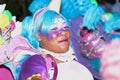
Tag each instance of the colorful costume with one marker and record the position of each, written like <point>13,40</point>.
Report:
<point>49,23</point>
<point>9,45</point>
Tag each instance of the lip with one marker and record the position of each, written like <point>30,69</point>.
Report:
<point>63,40</point>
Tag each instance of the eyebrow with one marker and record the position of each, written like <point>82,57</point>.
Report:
<point>54,28</point>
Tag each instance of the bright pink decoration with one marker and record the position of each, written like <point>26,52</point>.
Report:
<point>90,44</point>
<point>5,73</point>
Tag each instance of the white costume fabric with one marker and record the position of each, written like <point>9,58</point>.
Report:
<point>69,69</point>
<point>73,71</point>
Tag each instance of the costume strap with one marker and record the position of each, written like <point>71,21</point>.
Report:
<point>55,67</point>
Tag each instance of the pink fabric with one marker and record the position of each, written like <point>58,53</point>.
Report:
<point>7,53</point>
<point>6,50</point>
<point>5,74</point>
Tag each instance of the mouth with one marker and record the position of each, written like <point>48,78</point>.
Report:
<point>63,40</point>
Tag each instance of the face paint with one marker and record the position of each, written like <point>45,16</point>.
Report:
<point>55,32</point>
<point>58,26</point>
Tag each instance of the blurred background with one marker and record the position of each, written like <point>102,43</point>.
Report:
<point>19,8</point>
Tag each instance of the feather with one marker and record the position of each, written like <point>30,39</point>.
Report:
<point>93,16</point>
<point>71,7</point>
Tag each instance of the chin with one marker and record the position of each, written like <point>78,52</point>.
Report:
<point>63,50</point>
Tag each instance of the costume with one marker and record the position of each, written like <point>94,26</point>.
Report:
<point>42,66</point>
<point>9,45</point>
<point>91,23</point>
<point>73,70</point>
<point>69,69</point>
<point>48,22</point>
<point>7,49</point>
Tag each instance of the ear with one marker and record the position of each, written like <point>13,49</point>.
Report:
<point>37,36</point>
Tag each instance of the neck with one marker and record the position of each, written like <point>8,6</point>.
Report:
<point>59,58</point>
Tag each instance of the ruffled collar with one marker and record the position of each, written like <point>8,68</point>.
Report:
<point>65,57</point>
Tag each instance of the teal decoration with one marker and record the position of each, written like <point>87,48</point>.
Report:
<point>93,16</point>
<point>95,64</point>
<point>113,23</point>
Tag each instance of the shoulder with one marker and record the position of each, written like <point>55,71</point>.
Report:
<point>75,70</point>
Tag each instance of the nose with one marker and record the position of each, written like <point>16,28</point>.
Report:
<point>61,32</point>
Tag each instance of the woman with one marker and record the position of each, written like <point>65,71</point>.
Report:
<point>49,33</point>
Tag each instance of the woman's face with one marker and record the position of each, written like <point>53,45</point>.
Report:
<point>58,38</point>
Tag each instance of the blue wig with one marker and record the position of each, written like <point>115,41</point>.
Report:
<point>72,7</point>
<point>41,22</point>
<point>93,16</point>
<point>38,4</point>
<point>27,31</point>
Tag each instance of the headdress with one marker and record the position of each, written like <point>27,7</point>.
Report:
<point>71,7</point>
<point>112,23</point>
<point>92,17</point>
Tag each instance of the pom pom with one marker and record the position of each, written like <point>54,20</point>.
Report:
<point>8,13</point>
<point>110,61</point>
<point>4,20</point>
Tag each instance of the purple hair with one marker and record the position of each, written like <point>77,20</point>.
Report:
<point>35,64</point>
